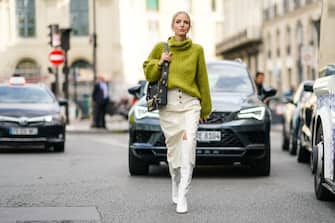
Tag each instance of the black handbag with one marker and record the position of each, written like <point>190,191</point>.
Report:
<point>157,90</point>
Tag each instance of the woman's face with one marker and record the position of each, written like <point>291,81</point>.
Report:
<point>181,25</point>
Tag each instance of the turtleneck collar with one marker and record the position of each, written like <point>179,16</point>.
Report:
<point>179,45</point>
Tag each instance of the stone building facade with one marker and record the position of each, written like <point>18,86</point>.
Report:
<point>126,32</point>
<point>290,41</point>
<point>242,32</point>
<point>278,37</point>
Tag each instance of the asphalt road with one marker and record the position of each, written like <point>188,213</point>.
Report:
<point>90,183</point>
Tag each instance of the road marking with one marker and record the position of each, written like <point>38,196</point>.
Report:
<point>49,215</point>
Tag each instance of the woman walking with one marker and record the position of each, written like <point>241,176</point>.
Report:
<point>189,102</point>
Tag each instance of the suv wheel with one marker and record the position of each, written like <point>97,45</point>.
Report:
<point>321,192</point>
<point>59,147</point>
<point>262,166</point>
<point>136,166</point>
<point>285,142</point>
<point>292,143</point>
<point>303,156</point>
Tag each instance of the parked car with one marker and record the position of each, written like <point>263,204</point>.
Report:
<point>30,116</point>
<point>237,131</point>
<point>323,129</point>
<point>307,112</point>
<point>291,119</point>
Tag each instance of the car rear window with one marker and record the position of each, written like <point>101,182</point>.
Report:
<point>229,78</point>
<point>24,94</point>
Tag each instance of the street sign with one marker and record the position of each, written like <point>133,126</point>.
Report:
<point>56,57</point>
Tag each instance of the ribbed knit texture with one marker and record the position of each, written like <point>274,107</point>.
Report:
<point>187,70</point>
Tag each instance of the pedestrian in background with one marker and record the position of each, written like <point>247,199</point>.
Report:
<point>189,102</point>
<point>259,81</point>
<point>100,98</point>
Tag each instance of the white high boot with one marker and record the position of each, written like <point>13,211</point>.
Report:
<point>186,171</point>
<point>184,186</point>
<point>175,178</point>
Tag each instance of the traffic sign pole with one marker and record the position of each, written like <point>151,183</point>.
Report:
<point>56,82</point>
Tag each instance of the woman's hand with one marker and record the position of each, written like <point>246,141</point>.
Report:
<point>202,120</point>
<point>165,57</point>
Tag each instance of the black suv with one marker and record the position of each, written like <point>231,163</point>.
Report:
<point>237,131</point>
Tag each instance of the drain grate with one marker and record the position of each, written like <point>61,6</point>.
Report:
<point>49,215</point>
<point>65,221</point>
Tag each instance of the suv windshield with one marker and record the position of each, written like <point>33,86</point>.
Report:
<point>26,94</point>
<point>229,78</point>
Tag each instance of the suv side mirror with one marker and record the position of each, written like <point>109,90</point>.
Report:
<point>135,91</point>
<point>308,87</point>
<point>269,92</point>
<point>63,102</point>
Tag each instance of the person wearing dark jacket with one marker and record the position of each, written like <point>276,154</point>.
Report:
<point>100,98</point>
<point>259,80</point>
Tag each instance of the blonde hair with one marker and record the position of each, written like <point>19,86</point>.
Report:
<point>178,13</point>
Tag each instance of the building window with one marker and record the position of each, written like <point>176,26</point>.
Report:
<point>275,10</point>
<point>27,68</point>
<point>286,6</point>
<point>79,17</point>
<point>25,15</point>
<point>278,42</point>
<point>288,40</point>
<point>289,77</point>
<point>269,46</point>
<point>297,4</point>
<point>300,33</point>
<point>152,5</point>
<point>288,50</point>
<point>266,13</point>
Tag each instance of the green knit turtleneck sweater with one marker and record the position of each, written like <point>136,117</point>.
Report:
<point>187,70</point>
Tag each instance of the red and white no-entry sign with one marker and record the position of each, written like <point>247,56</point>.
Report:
<point>56,57</point>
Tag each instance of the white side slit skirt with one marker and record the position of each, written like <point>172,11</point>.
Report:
<point>180,115</point>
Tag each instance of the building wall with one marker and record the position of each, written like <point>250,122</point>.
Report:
<point>242,32</point>
<point>280,65</point>
<point>141,29</point>
<point>14,48</point>
<point>240,15</point>
<point>126,32</point>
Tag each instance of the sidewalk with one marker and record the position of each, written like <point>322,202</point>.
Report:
<point>115,124</point>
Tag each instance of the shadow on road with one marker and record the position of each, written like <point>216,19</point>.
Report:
<point>31,150</point>
<point>219,171</point>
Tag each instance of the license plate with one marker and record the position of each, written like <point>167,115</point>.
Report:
<point>23,131</point>
<point>205,136</point>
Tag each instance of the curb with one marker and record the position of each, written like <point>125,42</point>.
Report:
<point>97,131</point>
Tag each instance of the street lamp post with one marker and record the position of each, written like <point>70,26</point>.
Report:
<point>94,42</point>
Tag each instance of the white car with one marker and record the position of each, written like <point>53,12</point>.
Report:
<point>324,135</point>
<point>323,129</point>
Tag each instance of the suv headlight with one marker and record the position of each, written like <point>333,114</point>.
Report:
<point>142,112</point>
<point>47,118</point>
<point>53,118</point>
<point>256,113</point>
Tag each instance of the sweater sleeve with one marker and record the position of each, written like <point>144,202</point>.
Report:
<point>203,85</point>
<point>151,67</point>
